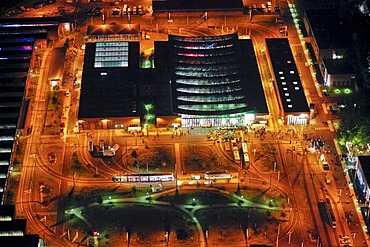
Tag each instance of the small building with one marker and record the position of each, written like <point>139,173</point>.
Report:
<point>339,73</point>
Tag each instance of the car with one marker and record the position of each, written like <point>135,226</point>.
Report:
<point>116,147</point>
<point>345,241</point>
<point>134,10</point>
<point>98,11</point>
<point>116,11</point>
<point>326,167</point>
<point>90,12</point>
<point>140,10</point>
<point>124,9</point>
<point>344,236</point>
<point>67,93</point>
<point>39,4</point>
<point>48,2</point>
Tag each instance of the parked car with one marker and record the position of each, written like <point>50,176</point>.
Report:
<point>345,241</point>
<point>39,4</point>
<point>140,10</point>
<point>116,11</point>
<point>98,11</point>
<point>344,236</point>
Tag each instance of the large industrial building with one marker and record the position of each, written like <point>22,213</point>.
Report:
<point>193,82</point>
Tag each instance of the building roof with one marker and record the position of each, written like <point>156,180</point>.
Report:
<point>365,164</point>
<point>339,66</point>
<point>29,240</point>
<point>7,211</point>
<point>327,29</point>
<point>195,5</point>
<point>113,29</point>
<point>13,225</point>
<point>289,85</point>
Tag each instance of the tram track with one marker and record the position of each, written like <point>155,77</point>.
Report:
<point>315,215</point>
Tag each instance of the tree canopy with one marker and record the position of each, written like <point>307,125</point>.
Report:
<point>355,124</point>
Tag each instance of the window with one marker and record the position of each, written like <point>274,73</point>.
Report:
<point>111,54</point>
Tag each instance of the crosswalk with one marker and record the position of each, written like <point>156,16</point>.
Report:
<point>322,128</point>
<point>299,148</point>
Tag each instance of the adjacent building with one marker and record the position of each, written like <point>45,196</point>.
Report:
<point>293,106</point>
<point>331,47</point>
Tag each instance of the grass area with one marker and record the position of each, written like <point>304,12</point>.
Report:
<point>156,158</point>
<point>265,156</point>
<point>53,114</point>
<point>201,158</point>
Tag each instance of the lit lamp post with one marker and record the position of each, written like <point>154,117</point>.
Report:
<point>177,189</point>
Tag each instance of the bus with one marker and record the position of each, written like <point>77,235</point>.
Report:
<point>330,213</point>
<point>109,152</point>
<point>217,175</point>
<point>245,148</point>
<point>236,157</point>
<point>246,159</point>
<point>324,162</point>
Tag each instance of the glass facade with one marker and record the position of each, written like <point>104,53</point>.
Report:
<point>111,54</point>
<point>206,80</point>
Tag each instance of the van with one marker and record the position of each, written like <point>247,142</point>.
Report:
<point>91,146</point>
<point>116,147</point>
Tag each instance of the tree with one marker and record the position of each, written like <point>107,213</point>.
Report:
<point>355,119</point>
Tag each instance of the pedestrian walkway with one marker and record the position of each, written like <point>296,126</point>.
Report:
<point>188,209</point>
<point>322,128</point>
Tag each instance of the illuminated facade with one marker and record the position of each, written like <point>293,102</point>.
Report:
<point>196,82</point>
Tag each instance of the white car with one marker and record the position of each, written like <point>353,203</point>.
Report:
<point>344,236</point>
<point>345,241</point>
